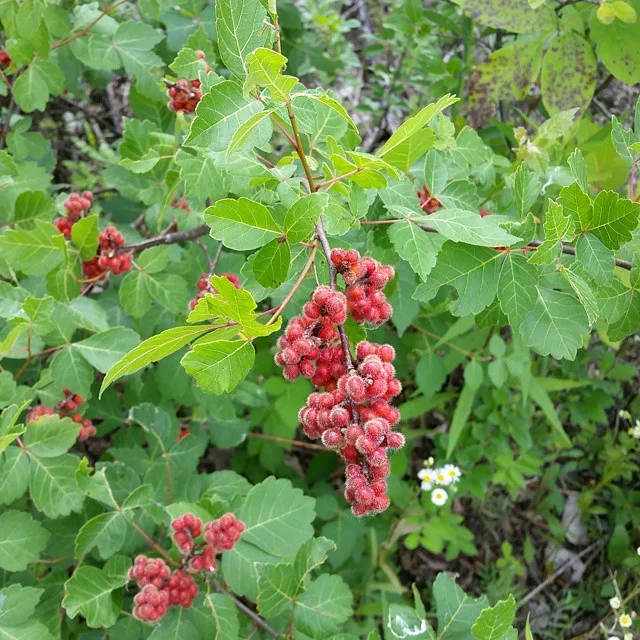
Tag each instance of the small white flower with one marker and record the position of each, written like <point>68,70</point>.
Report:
<point>628,636</point>
<point>439,497</point>
<point>635,431</point>
<point>430,461</point>
<point>638,551</point>
<point>614,602</point>
<point>625,621</point>
<point>428,477</point>
<point>442,477</point>
<point>613,638</point>
<point>453,472</point>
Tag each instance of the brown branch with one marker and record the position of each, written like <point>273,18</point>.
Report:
<point>85,31</point>
<point>293,443</point>
<point>169,238</point>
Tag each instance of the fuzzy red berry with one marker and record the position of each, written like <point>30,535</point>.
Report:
<point>149,571</point>
<point>186,529</point>
<point>151,604</point>
<point>223,533</point>
<point>182,589</point>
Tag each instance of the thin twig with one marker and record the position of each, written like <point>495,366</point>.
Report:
<point>216,259</point>
<point>293,443</point>
<point>169,238</point>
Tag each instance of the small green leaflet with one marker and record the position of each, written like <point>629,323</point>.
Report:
<point>219,366</point>
<point>34,251</point>
<point>614,218</point>
<point>22,539</point>
<point>240,29</point>
<point>84,234</point>
<point>264,69</point>
<point>467,226</point>
<point>302,217</point>
<point>271,263</point>
<point>556,324</point>
<point>50,436</point>
<point>526,188</point>
<point>241,224</point>
<point>153,349</point>
<point>415,245</point>
<point>494,623</point>
<point>400,149</point>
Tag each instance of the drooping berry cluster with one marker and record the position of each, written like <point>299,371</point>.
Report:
<point>204,286</point>
<point>353,415</point>
<point>159,587</point>
<point>66,408</point>
<point>185,95</point>
<point>427,202</point>
<point>5,58</point>
<point>76,206</point>
<point>310,344</point>
<point>356,419</point>
<point>365,279</point>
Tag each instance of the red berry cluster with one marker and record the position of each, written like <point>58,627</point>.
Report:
<point>5,58</point>
<point>365,279</point>
<point>310,344</point>
<point>204,286</point>
<point>66,408</point>
<point>223,533</point>
<point>109,257</point>
<point>160,588</point>
<point>185,95</point>
<point>353,415</point>
<point>356,419</point>
<point>76,205</point>
<point>427,202</point>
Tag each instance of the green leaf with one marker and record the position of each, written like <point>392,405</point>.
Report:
<point>33,204</point>
<point>33,88</point>
<point>106,531</point>
<point>435,171</point>
<point>460,416</point>
<point>264,69</point>
<point>455,609</point>
<point>460,194</point>
<point>558,225</point>
<point>151,350</point>
<point>543,400</point>
<point>302,217</point>
<point>134,41</point>
<point>618,46</point>
<point>71,370</point>
<point>103,350</point>
<point>240,29</point>
<point>187,64</point>
<point>14,474</point>
<point>568,76</point>
<point>517,288</point>
<point>34,251</point>
<point>241,224</point>
<point>410,140</point>
<point>614,219</point>
<point>472,271</point>
<point>219,366</point>
<point>271,264</point>
<point>235,305</point>
<point>584,292</point>
<point>325,99</point>
<point>494,623</point>
<point>278,521</point>
<point>526,188</point>
<point>202,178</point>
<point>279,585</point>
<point>18,605</point>
<point>248,131</point>
<point>579,169</point>
<point>89,592</point>
<point>577,203</point>
<point>10,429</point>
<point>51,436</point>
<point>516,16</point>
<point>415,245</point>
<point>622,140</point>
<point>84,234</point>
<point>405,308</point>
<point>53,487</point>
<point>469,227</point>
<point>556,324</point>
<point>629,319</point>
<point>324,606</point>
<point>22,539</point>
<point>221,113</point>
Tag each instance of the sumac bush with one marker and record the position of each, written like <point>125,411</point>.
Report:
<point>249,297</point>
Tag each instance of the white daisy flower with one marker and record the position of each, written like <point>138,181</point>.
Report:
<point>439,497</point>
<point>635,431</point>
<point>453,472</point>
<point>625,621</point>
<point>638,551</point>
<point>628,636</point>
<point>442,477</point>
<point>428,477</point>
<point>614,602</point>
